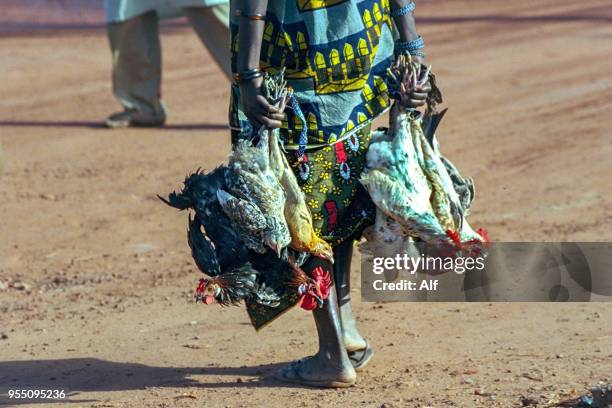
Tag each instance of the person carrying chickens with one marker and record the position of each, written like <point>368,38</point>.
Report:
<point>335,55</point>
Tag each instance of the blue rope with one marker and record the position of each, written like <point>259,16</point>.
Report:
<point>304,133</point>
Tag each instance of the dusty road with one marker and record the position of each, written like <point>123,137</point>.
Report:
<point>96,276</point>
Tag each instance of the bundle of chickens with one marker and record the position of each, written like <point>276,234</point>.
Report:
<point>252,229</point>
<point>419,194</point>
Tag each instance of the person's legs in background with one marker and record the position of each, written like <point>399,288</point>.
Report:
<point>212,26</point>
<point>136,54</point>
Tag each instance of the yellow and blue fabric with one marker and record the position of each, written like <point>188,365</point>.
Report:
<point>335,54</point>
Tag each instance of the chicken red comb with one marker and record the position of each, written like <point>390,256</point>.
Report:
<point>316,291</point>
<point>201,286</point>
<point>323,280</point>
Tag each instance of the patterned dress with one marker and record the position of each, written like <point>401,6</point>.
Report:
<point>335,54</point>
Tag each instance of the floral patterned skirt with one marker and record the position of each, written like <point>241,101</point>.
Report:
<point>329,178</point>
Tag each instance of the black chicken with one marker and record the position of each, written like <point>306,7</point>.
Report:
<point>200,194</point>
<point>236,272</point>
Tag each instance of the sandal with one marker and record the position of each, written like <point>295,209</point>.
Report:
<point>361,358</point>
<point>291,374</point>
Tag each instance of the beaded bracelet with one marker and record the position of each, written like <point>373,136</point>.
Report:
<point>255,17</point>
<point>248,74</point>
<point>410,46</point>
<point>408,8</point>
<point>417,54</point>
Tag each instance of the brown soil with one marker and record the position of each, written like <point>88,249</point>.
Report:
<point>96,278</point>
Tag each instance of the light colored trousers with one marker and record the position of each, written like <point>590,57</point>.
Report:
<point>136,54</point>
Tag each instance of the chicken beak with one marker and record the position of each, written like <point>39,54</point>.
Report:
<point>325,255</point>
<point>278,249</point>
<point>320,301</point>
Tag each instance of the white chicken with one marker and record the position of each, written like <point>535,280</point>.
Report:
<point>409,180</point>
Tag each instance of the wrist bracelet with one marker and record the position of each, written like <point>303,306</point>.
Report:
<point>255,17</point>
<point>410,46</point>
<point>420,54</point>
<point>408,8</point>
<point>248,74</point>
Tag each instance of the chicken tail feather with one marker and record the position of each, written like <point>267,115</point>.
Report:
<point>202,249</point>
<point>177,200</point>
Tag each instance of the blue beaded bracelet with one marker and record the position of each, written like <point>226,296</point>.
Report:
<point>417,54</point>
<point>410,46</point>
<point>408,8</point>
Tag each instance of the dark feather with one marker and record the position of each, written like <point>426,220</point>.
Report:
<point>237,285</point>
<point>434,97</point>
<point>431,121</point>
<point>202,250</point>
<point>241,284</point>
<point>200,193</point>
<point>176,200</point>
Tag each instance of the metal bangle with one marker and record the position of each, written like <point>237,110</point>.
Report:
<point>410,46</point>
<point>254,17</point>
<point>408,8</point>
<point>248,74</point>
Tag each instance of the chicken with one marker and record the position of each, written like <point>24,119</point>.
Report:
<point>217,249</point>
<point>250,177</point>
<point>199,193</point>
<point>242,210</point>
<point>203,251</point>
<point>408,179</point>
<point>297,213</point>
<point>235,286</point>
<point>248,220</point>
<point>313,290</point>
<point>235,273</point>
<point>463,186</point>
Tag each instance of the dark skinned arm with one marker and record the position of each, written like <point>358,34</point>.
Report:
<point>406,26</point>
<point>250,34</point>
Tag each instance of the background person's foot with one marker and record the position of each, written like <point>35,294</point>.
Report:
<point>129,118</point>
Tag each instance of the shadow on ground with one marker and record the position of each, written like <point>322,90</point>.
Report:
<point>100,125</point>
<point>78,375</point>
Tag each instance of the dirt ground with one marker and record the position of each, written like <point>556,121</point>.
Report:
<point>96,277</point>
